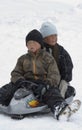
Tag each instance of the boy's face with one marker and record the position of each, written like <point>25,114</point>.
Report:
<point>51,40</point>
<point>33,46</point>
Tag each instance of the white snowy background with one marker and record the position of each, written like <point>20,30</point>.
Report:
<point>17,18</point>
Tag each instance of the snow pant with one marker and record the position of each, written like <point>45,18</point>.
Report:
<point>51,97</point>
<point>6,93</point>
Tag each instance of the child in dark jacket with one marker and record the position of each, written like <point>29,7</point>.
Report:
<point>62,57</point>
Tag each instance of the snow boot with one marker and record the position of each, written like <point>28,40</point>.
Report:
<point>64,111</point>
<point>59,109</point>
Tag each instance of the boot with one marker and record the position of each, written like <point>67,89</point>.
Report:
<point>58,109</point>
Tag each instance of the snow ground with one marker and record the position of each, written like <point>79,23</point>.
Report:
<point>17,18</point>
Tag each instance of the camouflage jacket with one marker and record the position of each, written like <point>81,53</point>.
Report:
<point>40,66</point>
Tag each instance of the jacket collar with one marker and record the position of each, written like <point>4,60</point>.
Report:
<point>37,53</point>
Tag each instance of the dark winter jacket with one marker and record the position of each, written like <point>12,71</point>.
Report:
<point>63,60</point>
<point>40,66</point>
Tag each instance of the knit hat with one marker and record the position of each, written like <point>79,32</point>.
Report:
<point>35,35</point>
<point>48,29</point>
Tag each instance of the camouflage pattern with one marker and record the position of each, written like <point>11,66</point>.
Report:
<point>40,66</point>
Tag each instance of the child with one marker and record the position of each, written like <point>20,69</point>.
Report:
<point>62,57</point>
<point>40,67</point>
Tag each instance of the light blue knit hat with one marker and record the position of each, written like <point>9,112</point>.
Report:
<point>48,29</point>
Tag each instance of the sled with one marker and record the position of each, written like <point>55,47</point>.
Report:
<point>23,103</point>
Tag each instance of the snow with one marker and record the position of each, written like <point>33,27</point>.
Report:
<point>17,18</point>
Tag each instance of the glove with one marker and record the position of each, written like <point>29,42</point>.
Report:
<point>22,83</point>
<point>63,87</point>
<point>19,83</point>
<point>40,90</point>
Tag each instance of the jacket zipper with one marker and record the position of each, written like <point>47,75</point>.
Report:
<point>34,68</point>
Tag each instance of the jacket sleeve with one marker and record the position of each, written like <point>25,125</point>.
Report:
<point>17,73</point>
<point>66,65</point>
<point>53,75</point>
